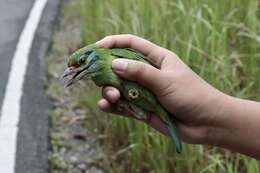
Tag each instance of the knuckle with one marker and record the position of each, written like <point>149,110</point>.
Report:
<point>132,38</point>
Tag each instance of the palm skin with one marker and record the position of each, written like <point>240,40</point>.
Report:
<point>137,100</point>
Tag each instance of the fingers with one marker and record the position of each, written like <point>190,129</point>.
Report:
<point>144,74</point>
<point>155,53</point>
<point>111,94</point>
<point>106,106</point>
<point>153,121</point>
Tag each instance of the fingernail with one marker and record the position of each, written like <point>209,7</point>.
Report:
<point>119,64</point>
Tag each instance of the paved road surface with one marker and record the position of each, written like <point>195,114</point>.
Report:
<point>13,14</point>
<point>32,138</point>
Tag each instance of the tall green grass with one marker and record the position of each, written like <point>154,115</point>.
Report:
<point>220,40</point>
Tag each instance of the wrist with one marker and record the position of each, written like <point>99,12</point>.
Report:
<point>237,126</point>
<point>220,125</point>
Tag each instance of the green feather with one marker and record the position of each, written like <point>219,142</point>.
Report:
<point>99,61</point>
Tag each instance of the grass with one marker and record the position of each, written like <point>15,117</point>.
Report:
<point>220,40</point>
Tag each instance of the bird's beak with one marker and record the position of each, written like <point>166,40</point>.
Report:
<point>73,74</point>
<point>68,76</point>
<point>67,72</point>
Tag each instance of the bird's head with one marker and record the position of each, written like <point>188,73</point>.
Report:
<point>78,64</point>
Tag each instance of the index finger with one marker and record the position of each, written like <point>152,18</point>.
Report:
<point>153,52</point>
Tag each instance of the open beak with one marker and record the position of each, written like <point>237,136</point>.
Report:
<point>67,72</point>
<point>72,74</point>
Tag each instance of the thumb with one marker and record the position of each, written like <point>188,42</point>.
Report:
<point>140,72</point>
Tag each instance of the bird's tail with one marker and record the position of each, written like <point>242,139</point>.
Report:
<point>174,134</point>
<point>170,123</point>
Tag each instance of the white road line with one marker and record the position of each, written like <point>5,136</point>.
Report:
<point>10,111</point>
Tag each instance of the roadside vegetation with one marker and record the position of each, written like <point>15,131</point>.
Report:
<point>220,40</point>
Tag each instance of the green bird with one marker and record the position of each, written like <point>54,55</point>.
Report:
<point>95,63</point>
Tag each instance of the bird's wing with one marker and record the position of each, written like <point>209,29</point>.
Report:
<point>129,54</point>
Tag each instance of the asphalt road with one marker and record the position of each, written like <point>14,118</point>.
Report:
<point>13,14</point>
<point>32,142</point>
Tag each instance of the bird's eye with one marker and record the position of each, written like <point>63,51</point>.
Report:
<point>82,60</point>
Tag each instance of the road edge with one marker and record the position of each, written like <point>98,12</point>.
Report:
<point>32,141</point>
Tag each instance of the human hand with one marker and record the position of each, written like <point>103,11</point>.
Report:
<point>194,103</point>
